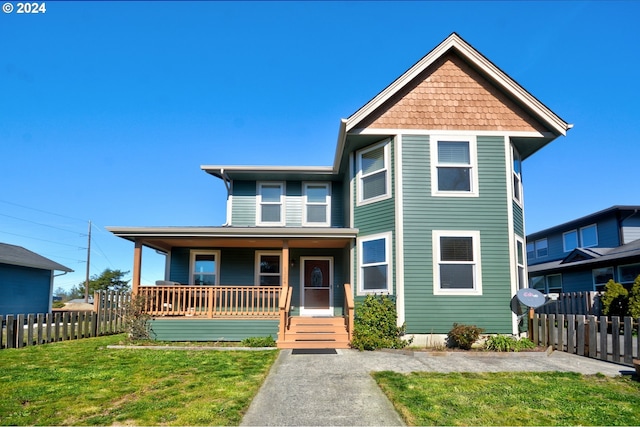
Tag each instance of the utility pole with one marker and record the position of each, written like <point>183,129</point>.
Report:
<point>86,283</point>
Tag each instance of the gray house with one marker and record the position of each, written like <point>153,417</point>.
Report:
<point>423,202</point>
<point>26,281</point>
<point>585,253</point>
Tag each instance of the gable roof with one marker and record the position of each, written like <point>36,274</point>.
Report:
<point>17,255</point>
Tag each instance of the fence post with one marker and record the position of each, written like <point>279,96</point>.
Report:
<point>615,338</point>
<point>604,326</point>
<point>19,331</point>
<point>581,333</point>
<point>30,318</point>
<point>593,336</point>
<point>2,331</point>
<point>40,324</point>
<point>628,340</point>
<point>561,329</point>
<point>47,326</point>
<point>571,333</point>
<point>11,331</point>
<point>553,331</point>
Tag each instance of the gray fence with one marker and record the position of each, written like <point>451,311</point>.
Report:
<point>108,317</point>
<point>613,339</point>
<point>587,303</point>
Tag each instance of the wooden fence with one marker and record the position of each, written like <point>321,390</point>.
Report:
<point>34,329</point>
<point>613,339</point>
<point>587,303</point>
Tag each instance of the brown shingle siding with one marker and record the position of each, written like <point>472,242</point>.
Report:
<point>450,95</point>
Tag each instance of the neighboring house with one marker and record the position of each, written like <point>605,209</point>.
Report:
<point>424,202</point>
<point>26,281</point>
<point>584,254</point>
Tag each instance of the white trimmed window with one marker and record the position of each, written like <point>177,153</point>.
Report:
<point>589,236</point>
<point>570,240</point>
<point>374,177</point>
<point>204,268</point>
<point>520,262</point>
<point>628,273</point>
<point>601,276</point>
<point>551,284</point>
<point>317,204</point>
<point>454,166</point>
<point>374,254</point>
<point>270,203</point>
<point>542,248</point>
<point>456,263</point>
<point>517,175</point>
<point>268,268</point>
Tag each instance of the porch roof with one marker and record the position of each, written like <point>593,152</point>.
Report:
<point>165,238</point>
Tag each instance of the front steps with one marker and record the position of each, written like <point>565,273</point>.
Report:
<point>315,332</point>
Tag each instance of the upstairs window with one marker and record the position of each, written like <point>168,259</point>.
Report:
<point>373,173</point>
<point>517,176</point>
<point>522,281</point>
<point>570,240</point>
<point>454,167</point>
<point>589,236</point>
<point>537,249</point>
<point>270,200</point>
<point>457,263</point>
<point>317,204</point>
<point>268,268</point>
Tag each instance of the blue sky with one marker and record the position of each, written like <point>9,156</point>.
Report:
<point>108,109</point>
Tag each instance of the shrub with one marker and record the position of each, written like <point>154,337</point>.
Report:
<point>463,336</point>
<point>267,341</point>
<point>57,304</point>
<point>634,299</point>
<point>508,343</point>
<point>136,319</point>
<point>375,325</point>
<point>615,300</point>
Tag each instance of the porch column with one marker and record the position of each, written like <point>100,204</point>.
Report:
<point>137,267</point>
<point>285,264</point>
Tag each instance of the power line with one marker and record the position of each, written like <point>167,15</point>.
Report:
<point>44,225</point>
<point>43,211</point>
<point>42,240</point>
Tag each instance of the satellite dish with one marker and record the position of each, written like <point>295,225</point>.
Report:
<point>531,297</point>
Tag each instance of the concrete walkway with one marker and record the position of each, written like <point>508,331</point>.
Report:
<point>336,389</point>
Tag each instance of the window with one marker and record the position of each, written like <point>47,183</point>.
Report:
<point>457,263</point>
<point>317,204</point>
<point>453,167</point>
<point>268,272</point>
<point>547,284</point>
<point>570,240</point>
<point>270,203</point>
<point>522,282</point>
<point>589,236</point>
<point>537,249</point>
<point>517,175</point>
<point>204,268</point>
<point>601,276</point>
<point>628,273</point>
<point>531,250</point>
<point>373,173</point>
<point>375,271</point>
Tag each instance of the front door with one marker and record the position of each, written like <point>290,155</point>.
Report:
<point>317,286</point>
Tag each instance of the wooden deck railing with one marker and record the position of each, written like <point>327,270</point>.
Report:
<point>211,301</point>
<point>350,308</point>
<point>284,306</point>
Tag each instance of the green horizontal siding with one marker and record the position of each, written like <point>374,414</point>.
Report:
<point>211,329</point>
<point>518,219</point>
<point>429,313</point>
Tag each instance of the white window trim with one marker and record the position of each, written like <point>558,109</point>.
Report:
<point>515,153</point>
<point>620,274</point>
<point>536,248</point>
<point>564,246</point>
<point>386,144</point>
<point>473,165</point>
<point>593,276</point>
<point>306,203</point>
<point>581,241</point>
<point>546,283</point>
<point>389,263</point>
<point>257,274</point>
<point>259,203</point>
<point>475,235</point>
<point>522,265</point>
<point>192,264</point>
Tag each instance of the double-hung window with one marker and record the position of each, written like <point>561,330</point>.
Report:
<point>601,277</point>
<point>589,236</point>
<point>317,204</point>
<point>374,179</point>
<point>205,267</point>
<point>456,263</point>
<point>454,169</point>
<point>517,175</point>
<point>570,240</point>
<point>270,203</point>
<point>375,268</point>
<point>268,268</point>
<point>522,281</point>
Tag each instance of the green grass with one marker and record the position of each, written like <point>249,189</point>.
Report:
<point>84,383</point>
<point>519,399</point>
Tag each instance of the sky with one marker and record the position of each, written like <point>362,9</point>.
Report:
<point>108,109</point>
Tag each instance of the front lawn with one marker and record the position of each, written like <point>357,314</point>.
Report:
<point>512,398</point>
<point>84,383</point>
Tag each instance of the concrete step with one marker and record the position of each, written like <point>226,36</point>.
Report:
<point>313,344</point>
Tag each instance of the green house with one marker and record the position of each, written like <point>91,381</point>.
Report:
<point>423,201</point>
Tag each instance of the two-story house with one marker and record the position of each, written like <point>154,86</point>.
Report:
<point>585,253</point>
<point>423,202</point>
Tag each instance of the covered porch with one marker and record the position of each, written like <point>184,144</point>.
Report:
<point>245,277</point>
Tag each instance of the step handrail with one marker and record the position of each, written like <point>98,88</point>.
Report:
<point>350,307</point>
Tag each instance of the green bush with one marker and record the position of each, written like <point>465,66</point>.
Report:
<point>57,304</point>
<point>615,301</point>
<point>634,299</point>
<point>507,343</point>
<point>375,325</point>
<point>136,319</point>
<point>267,341</point>
<point>463,336</point>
